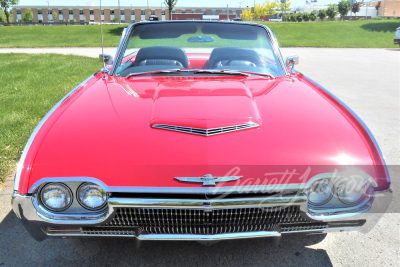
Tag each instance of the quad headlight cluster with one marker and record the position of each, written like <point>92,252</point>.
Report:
<point>322,191</point>
<point>59,197</point>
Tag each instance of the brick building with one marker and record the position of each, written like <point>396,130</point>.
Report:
<point>108,14</point>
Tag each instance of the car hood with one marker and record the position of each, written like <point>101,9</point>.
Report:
<point>104,130</point>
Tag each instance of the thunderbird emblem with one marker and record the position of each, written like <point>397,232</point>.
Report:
<point>208,179</point>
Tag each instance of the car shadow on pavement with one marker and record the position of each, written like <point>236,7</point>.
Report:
<point>18,248</point>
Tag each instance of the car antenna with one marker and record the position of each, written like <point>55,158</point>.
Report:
<point>102,45</point>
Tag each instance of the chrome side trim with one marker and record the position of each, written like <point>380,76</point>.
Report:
<point>359,120</point>
<point>206,132</point>
<point>274,42</point>
<point>21,162</point>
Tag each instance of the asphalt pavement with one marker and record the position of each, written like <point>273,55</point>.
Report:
<point>367,80</point>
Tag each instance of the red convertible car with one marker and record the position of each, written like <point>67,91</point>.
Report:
<point>199,130</point>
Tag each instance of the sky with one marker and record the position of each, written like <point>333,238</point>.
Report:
<point>186,3</point>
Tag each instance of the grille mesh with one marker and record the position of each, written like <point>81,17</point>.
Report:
<point>205,222</point>
<point>205,132</point>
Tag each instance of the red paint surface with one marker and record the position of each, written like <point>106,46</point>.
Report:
<point>103,131</point>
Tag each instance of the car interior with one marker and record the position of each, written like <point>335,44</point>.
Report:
<point>156,58</point>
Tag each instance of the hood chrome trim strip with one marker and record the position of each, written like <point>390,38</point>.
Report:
<point>206,132</point>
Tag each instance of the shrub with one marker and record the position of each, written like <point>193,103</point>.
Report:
<point>299,17</point>
<point>322,14</point>
<point>378,18</point>
<point>361,19</point>
<point>293,19</point>
<point>305,16</point>
<point>313,15</point>
<point>332,11</point>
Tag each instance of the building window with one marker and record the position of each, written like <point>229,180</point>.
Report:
<point>133,12</point>
<point>233,11</point>
<point>81,21</point>
<point>80,12</point>
<point>71,12</point>
<point>91,20</point>
<point>60,12</point>
<point>173,11</point>
<point>18,11</point>
<point>91,12</point>
<point>50,12</point>
<point>162,12</point>
<point>223,11</point>
<point>203,11</point>
<point>153,12</point>
<point>122,12</point>
<point>213,12</point>
<point>39,11</point>
<point>122,21</point>
<point>19,21</point>
<point>102,12</point>
<point>112,12</point>
<point>193,11</point>
<point>183,11</point>
<point>142,12</point>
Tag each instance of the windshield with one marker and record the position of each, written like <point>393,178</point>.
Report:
<point>155,47</point>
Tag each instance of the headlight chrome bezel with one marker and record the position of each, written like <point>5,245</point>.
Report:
<point>331,194</point>
<point>365,191</point>
<point>99,188</point>
<point>42,191</point>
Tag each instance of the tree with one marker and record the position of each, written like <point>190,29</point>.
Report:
<point>170,4</point>
<point>313,15</point>
<point>377,7</point>
<point>344,7</point>
<point>355,8</point>
<point>305,16</point>
<point>269,8</point>
<point>5,6</point>
<point>28,15</point>
<point>322,14</point>
<point>55,14</point>
<point>247,15</point>
<point>332,11</point>
<point>115,19</point>
<point>281,7</point>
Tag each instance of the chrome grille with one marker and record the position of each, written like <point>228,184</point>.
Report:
<point>206,132</point>
<point>205,222</point>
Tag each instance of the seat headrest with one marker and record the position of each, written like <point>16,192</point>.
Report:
<point>162,52</point>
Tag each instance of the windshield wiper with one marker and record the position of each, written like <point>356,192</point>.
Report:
<point>153,72</point>
<point>212,71</point>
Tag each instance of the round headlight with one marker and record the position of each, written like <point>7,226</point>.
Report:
<point>350,193</point>
<point>91,196</point>
<point>320,192</point>
<point>56,197</point>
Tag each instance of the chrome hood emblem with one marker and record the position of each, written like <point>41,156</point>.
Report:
<point>208,179</point>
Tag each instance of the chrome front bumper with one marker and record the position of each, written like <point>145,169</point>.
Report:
<point>41,223</point>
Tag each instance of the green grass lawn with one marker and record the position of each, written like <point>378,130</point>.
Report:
<point>371,33</point>
<point>30,86</point>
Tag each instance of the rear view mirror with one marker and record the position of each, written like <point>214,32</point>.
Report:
<point>107,59</point>
<point>291,61</point>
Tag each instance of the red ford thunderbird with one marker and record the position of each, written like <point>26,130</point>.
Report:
<point>199,130</point>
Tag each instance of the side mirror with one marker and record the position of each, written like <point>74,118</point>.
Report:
<point>107,59</point>
<point>291,61</point>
